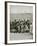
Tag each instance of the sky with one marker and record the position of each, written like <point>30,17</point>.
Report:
<point>15,9</point>
<point>20,12</point>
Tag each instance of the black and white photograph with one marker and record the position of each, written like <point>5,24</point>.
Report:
<point>20,22</point>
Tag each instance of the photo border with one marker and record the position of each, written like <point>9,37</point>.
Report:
<point>6,22</point>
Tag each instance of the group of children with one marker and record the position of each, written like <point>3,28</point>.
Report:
<point>20,26</point>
